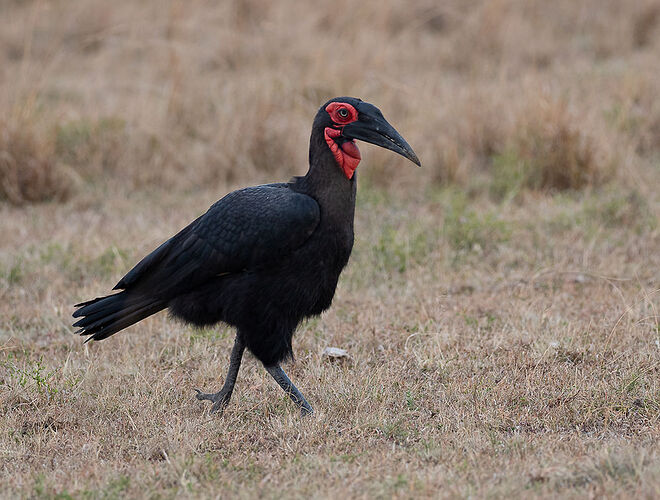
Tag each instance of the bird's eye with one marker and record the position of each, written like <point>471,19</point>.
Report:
<point>343,112</point>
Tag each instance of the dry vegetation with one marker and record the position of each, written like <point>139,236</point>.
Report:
<point>501,305</point>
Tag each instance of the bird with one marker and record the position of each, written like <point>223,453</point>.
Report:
<point>262,258</point>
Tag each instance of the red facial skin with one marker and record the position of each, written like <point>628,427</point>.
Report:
<point>347,155</point>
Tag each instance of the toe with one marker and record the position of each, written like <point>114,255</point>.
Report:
<point>203,396</point>
<point>306,411</point>
<point>218,406</point>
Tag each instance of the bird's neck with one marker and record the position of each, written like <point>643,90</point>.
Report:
<point>326,182</point>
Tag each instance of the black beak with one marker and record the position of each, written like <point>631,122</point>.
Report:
<point>372,127</point>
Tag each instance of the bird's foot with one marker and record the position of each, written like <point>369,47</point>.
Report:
<point>306,410</point>
<point>220,399</point>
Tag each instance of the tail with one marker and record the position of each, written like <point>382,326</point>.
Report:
<point>105,316</point>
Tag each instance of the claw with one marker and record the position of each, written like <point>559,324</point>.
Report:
<point>304,412</point>
<point>219,406</point>
<point>219,399</point>
<point>202,396</point>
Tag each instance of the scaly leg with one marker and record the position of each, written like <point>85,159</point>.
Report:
<point>221,398</point>
<point>280,377</point>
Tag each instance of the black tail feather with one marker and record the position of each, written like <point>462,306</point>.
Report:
<point>100,303</point>
<point>105,316</point>
<point>91,314</point>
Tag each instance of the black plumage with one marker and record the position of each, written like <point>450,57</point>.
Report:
<point>262,258</point>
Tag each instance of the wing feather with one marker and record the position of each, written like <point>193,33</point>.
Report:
<point>247,228</point>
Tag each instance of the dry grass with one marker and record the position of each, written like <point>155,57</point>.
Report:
<point>28,172</point>
<point>213,94</point>
<point>501,304</point>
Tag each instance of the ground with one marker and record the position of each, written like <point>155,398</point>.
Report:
<point>501,304</point>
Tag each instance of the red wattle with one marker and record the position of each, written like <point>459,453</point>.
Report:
<point>347,156</point>
<point>351,149</point>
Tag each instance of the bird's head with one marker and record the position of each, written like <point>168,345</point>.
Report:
<point>344,119</point>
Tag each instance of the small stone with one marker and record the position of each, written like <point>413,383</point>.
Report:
<point>336,354</point>
<point>579,278</point>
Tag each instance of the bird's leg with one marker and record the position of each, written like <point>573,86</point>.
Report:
<point>280,377</point>
<point>221,398</point>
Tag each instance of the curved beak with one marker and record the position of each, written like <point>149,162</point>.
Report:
<point>372,127</point>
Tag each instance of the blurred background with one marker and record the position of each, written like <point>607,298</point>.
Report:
<point>501,303</point>
<point>183,95</point>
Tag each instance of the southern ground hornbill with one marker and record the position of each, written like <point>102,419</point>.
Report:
<point>262,258</point>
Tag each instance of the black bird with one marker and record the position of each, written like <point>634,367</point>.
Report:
<point>262,258</point>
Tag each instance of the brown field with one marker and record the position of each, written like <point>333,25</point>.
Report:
<point>501,307</point>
